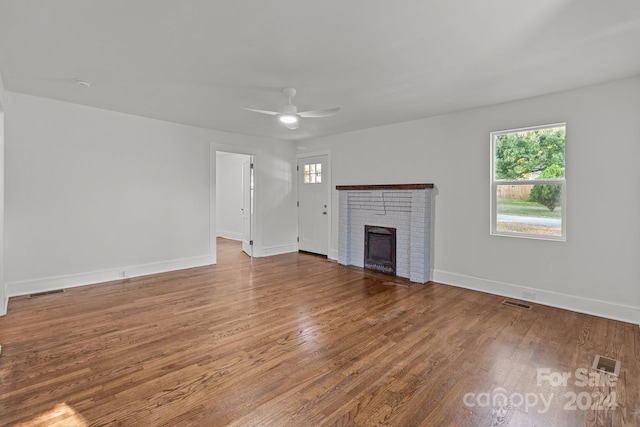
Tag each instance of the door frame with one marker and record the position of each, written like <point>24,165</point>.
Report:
<point>247,246</point>
<point>330,250</point>
<point>257,206</point>
<point>4,298</point>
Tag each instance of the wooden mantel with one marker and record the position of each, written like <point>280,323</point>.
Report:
<point>384,187</point>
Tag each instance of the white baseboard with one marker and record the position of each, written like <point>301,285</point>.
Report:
<point>277,250</point>
<point>26,287</point>
<point>624,313</point>
<point>231,235</point>
<point>4,305</point>
<point>333,254</point>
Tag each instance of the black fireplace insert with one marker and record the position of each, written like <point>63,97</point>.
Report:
<point>380,248</point>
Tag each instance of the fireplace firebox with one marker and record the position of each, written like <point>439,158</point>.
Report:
<point>380,248</point>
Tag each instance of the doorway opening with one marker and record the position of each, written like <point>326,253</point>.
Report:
<point>235,199</point>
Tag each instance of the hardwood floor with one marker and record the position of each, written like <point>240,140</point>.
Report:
<point>297,340</point>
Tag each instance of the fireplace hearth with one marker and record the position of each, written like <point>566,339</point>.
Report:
<point>380,249</point>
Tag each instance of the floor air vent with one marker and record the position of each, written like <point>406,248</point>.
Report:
<point>41,294</point>
<point>610,366</point>
<point>516,304</point>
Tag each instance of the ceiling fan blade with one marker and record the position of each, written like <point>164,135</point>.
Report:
<point>319,113</point>
<point>271,113</point>
<point>292,126</point>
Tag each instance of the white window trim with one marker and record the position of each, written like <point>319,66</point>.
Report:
<point>494,187</point>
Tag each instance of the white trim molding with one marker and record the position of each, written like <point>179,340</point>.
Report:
<point>623,313</point>
<point>231,235</point>
<point>26,287</point>
<point>278,250</point>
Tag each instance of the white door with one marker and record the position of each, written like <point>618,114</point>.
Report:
<point>247,206</point>
<point>313,201</point>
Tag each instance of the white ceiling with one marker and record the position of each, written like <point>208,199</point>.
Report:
<point>196,62</point>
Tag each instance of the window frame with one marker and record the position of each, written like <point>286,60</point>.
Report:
<point>495,182</point>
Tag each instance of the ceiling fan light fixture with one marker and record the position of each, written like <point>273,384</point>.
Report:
<point>289,115</point>
<point>288,118</point>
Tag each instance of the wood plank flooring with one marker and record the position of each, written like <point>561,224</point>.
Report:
<point>297,340</point>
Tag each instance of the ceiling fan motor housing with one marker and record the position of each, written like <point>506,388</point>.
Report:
<point>289,92</point>
<point>289,109</point>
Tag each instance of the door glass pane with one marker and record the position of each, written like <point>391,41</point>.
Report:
<point>313,173</point>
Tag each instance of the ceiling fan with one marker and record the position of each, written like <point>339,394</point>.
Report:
<point>290,116</point>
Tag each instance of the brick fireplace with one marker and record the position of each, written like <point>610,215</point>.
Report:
<point>406,208</point>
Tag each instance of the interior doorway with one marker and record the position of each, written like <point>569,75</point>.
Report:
<point>235,198</point>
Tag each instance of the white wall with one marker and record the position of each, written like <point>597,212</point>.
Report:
<point>2,92</point>
<point>3,292</point>
<point>595,271</point>
<point>91,194</point>
<point>229,195</point>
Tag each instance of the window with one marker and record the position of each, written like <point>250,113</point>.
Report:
<point>313,173</point>
<point>528,189</point>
